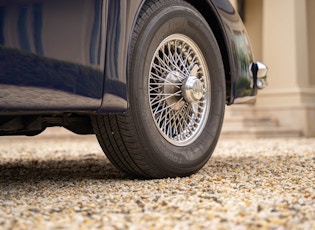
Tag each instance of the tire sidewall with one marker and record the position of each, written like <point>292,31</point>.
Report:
<point>178,19</point>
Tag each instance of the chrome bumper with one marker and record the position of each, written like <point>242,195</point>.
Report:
<point>258,80</point>
<point>258,73</point>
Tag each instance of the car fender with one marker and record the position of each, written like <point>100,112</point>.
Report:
<point>227,27</point>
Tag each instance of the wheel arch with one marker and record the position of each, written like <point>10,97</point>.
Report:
<point>220,16</point>
<point>208,11</point>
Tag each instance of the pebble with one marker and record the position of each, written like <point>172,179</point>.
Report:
<point>65,182</point>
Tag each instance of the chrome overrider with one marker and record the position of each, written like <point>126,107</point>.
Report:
<point>258,73</point>
<point>258,80</point>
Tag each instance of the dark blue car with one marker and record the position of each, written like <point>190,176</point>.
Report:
<point>150,78</point>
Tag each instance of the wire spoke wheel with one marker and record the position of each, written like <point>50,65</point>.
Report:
<point>176,95</point>
<point>179,90</point>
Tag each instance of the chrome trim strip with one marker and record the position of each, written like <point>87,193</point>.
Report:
<point>245,100</point>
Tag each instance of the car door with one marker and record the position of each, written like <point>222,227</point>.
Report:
<point>51,54</point>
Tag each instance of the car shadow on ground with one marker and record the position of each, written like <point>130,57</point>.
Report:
<point>59,170</point>
<point>99,168</point>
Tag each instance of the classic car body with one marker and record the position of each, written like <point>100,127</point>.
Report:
<point>63,61</point>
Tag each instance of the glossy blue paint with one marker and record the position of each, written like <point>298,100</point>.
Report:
<point>2,15</point>
<point>38,25</point>
<point>121,20</point>
<point>239,51</point>
<point>72,55</point>
<point>50,55</point>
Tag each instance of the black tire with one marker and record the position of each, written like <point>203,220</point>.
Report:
<point>142,142</point>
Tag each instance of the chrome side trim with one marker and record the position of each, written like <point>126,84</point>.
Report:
<point>245,100</point>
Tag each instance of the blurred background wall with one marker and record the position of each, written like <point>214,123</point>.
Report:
<point>282,34</point>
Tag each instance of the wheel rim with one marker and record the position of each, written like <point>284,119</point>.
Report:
<point>179,90</point>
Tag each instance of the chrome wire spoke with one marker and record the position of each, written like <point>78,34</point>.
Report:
<point>179,100</point>
<point>159,69</point>
<point>173,63</point>
<point>165,96</point>
<point>167,107</point>
<point>183,64</point>
<point>178,85</point>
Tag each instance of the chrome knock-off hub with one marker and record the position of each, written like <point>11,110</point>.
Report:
<point>192,89</point>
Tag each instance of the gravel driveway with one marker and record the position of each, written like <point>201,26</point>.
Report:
<point>63,182</point>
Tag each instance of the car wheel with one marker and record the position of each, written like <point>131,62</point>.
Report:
<point>176,95</point>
